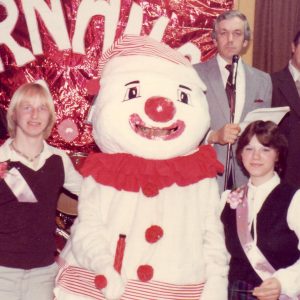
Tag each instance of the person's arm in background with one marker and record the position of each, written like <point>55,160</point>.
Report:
<point>73,179</point>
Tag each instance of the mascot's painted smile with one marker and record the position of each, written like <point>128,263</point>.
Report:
<point>158,109</point>
<point>152,133</point>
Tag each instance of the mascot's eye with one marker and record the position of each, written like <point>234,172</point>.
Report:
<point>183,96</point>
<point>132,92</point>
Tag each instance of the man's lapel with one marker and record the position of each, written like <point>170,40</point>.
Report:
<point>218,89</point>
<point>250,89</point>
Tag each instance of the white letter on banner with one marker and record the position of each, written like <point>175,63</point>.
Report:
<point>134,26</point>
<point>53,19</point>
<point>159,28</point>
<point>135,20</point>
<point>22,55</point>
<point>89,8</point>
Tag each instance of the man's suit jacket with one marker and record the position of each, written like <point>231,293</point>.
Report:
<point>258,94</point>
<point>285,94</point>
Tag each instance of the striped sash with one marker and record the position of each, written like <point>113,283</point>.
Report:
<point>258,261</point>
<point>19,187</point>
<point>80,281</point>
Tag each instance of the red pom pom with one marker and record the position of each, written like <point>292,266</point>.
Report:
<point>93,86</point>
<point>100,282</point>
<point>153,234</point>
<point>145,273</point>
<point>68,130</point>
<point>150,190</point>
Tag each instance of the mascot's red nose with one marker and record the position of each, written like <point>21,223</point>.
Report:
<point>160,109</point>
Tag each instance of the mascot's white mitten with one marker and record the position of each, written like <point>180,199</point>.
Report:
<point>210,292</point>
<point>111,285</point>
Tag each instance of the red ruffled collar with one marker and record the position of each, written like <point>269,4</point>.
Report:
<point>131,173</point>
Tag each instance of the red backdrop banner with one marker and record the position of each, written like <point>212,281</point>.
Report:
<point>61,41</point>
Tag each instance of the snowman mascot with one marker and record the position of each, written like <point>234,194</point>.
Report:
<point>148,223</point>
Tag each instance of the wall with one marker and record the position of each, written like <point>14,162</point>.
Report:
<point>247,7</point>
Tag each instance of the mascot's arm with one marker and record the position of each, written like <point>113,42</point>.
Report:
<point>90,241</point>
<point>215,253</point>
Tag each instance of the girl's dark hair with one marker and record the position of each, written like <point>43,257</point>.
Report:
<point>268,134</point>
<point>296,39</point>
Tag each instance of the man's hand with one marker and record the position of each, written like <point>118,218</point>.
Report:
<point>228,134</point>
<point>269,290</point>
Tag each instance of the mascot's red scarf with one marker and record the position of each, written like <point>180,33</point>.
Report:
<point>131,173</point>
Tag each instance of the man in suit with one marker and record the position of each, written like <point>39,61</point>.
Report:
<point>231,34</point>
<point>286,91</point>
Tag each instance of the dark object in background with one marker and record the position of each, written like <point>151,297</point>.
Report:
<point>3,124</point>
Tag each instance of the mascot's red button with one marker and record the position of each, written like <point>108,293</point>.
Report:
<point>150,189</point>
<point>145,273</point>
<point>153,234</point>
<point>100,282</point>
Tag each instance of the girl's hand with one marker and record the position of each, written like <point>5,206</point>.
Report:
<point>270,289</point>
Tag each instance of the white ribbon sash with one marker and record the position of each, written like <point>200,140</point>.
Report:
<point>258,261</point>
<point>19,186</point>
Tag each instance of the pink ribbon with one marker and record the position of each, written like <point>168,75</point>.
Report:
<point>19,186</point>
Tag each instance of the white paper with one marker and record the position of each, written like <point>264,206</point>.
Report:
<point>274,114</point>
